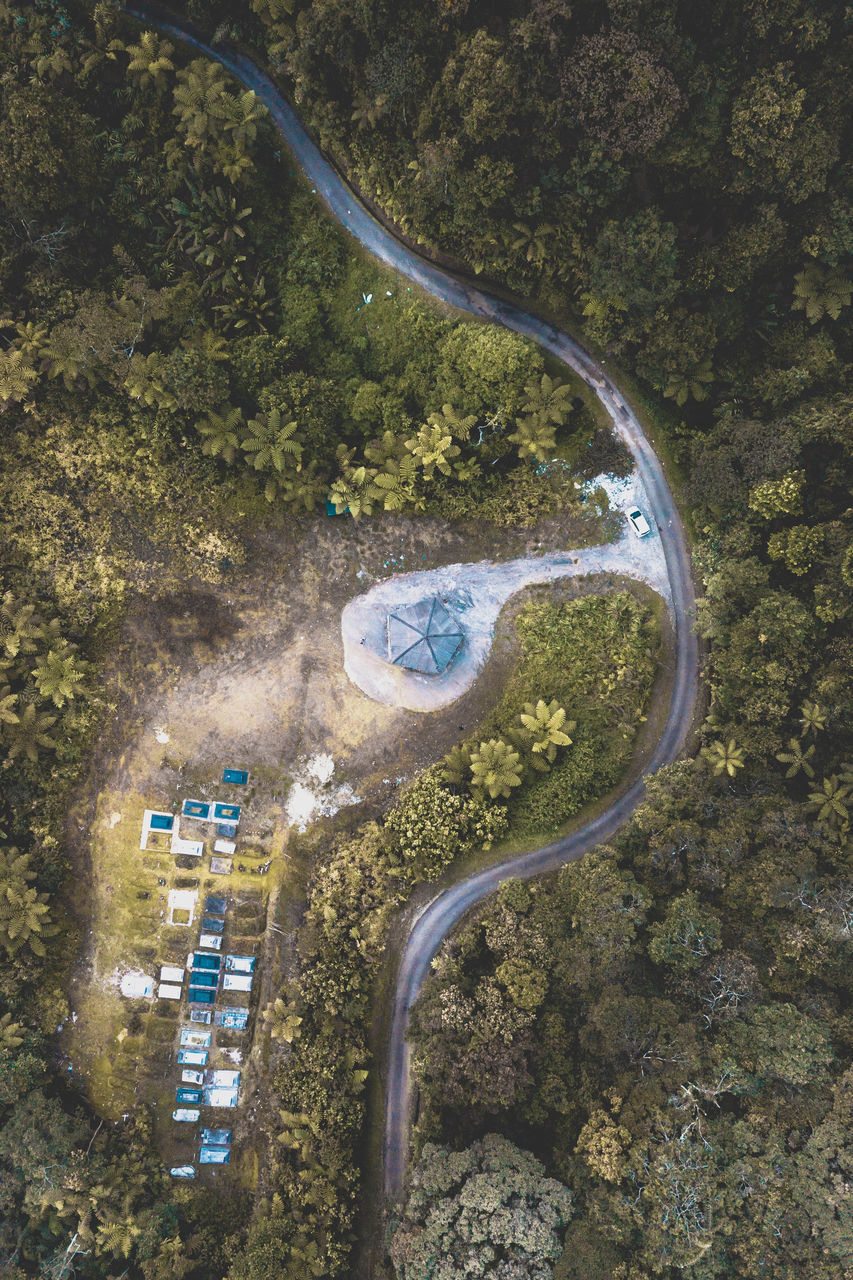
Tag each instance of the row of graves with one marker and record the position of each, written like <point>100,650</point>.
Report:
<point>214,987</point>
<point>199,823</point>
<point>207,985</point>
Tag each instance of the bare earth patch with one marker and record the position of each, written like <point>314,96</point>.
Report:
<point>250,676</point>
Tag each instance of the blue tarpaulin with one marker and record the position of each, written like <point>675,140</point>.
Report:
<point>230,812</point>
<point>201,995</point>
<point>214,1155</point>
<point>189,1097</point>
<point>196,809</point>
<point>216,1137</point>
<point>239,777</point>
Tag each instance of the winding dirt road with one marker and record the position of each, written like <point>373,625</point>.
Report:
<point>445,911</point>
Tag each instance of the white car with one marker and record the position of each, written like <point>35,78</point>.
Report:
<point>638,523</point>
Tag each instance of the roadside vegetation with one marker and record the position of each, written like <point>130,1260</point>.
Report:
<point>572,708</point>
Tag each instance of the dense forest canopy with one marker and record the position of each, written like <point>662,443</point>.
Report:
<point>651,1057</point>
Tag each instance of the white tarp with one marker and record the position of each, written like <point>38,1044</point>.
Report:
<point>136,986</point>
<point>220,1097</point>
<point>189,848</point>
<point>223,1079</point>
<point>236,982</point>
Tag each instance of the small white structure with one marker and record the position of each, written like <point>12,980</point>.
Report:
<point>182,1171</point>
<point>197,1039</point>
<point>183,901</point>
<point>236,982</point>
<point>136,986</point>
<point>223,1079</point>
<point>168,991</point>
<point>211,940</point>
<point>189,848</point>
<point>220,1097</point>
<point>240,964</point>
<point>171,973</point>
<point>189,1115</point>
<point>228,847</point>
<point>192,1077</point>
<point>192,1057</point>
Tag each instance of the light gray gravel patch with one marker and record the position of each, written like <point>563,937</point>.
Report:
<point>475,594</point>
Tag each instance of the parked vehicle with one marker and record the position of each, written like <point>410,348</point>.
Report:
<point>639,523</point>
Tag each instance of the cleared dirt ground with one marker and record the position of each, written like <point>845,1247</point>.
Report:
<point>248,675</point>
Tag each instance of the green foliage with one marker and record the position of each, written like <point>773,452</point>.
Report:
<point>782,497</point>
<point>797,759</point>
<point>725,758</point>
<point>495,768</point>
<point>433,825</point>
<point>820,293</point>
<point>150,61</point>
<point>830,803</point>
<point>647,1094</point>
<point>492,1199</point>
<point>669,176</point>
<point>693,383</point>
<point>798,547</point>
<point>778,1042</point>
<point>590,659</point>
<point>545,721</point>
<point>686,935</point>
<point>48,166</point>
<point>16,377</point>
<point>24,918</point>
<point>518,498</point>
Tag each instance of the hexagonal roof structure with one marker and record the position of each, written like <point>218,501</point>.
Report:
<point>423,637</point>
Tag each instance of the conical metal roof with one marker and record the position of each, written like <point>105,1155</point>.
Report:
<point>423,636</point>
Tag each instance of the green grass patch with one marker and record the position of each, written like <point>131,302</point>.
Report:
<point>596,657</point>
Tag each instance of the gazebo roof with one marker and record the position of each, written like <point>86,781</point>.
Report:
<point>423,637</point>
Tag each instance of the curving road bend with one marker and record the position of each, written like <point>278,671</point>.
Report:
<point>445,911</point>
